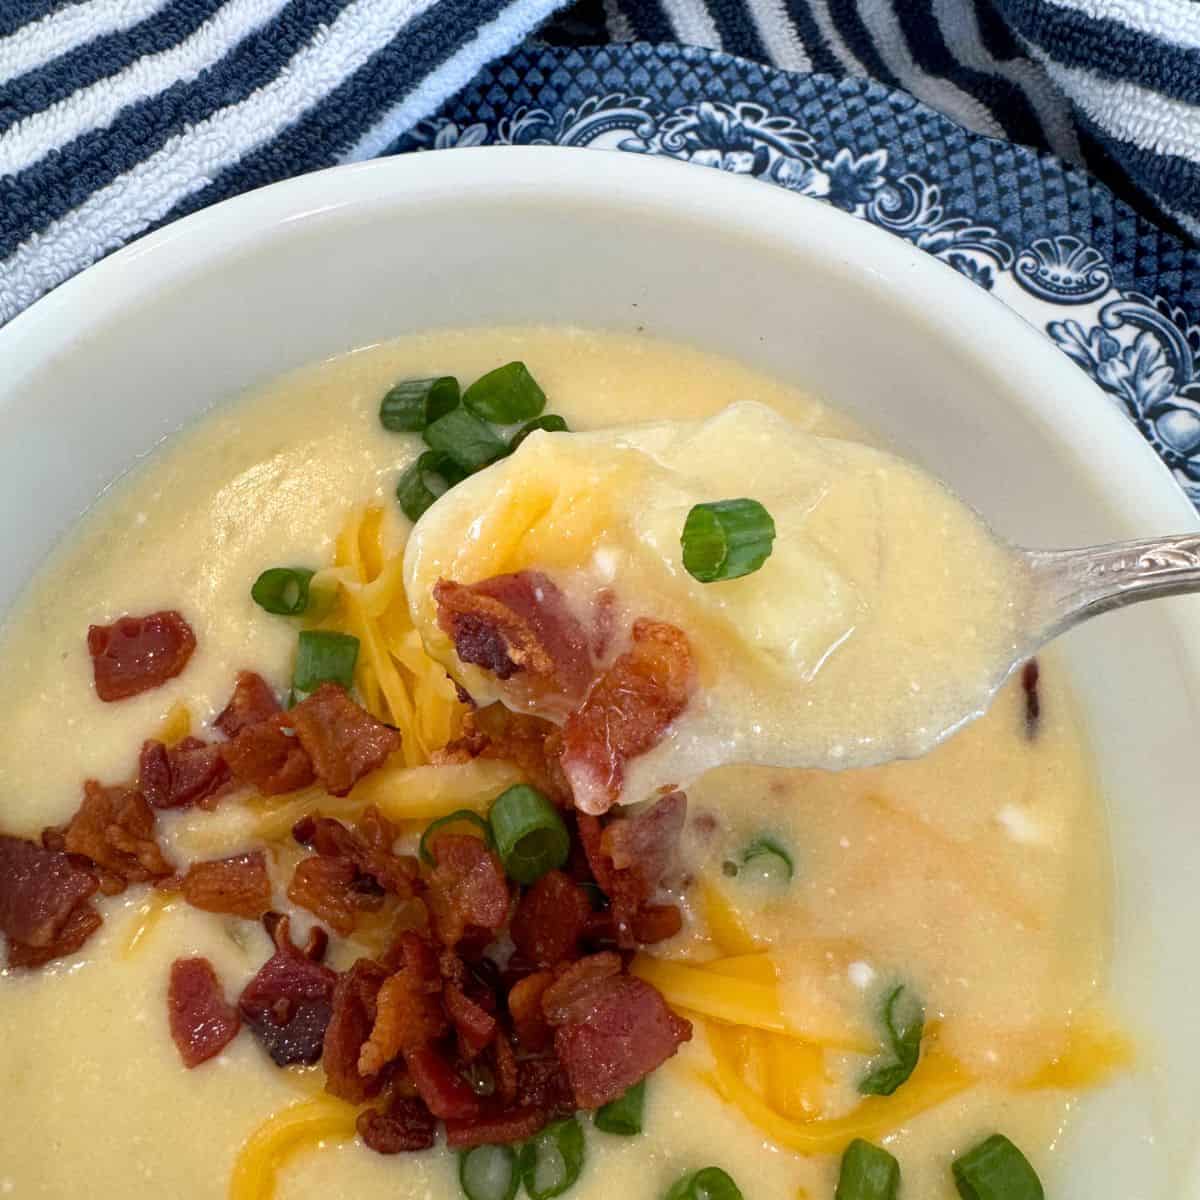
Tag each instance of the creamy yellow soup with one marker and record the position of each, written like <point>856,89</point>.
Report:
<point>975,876</point>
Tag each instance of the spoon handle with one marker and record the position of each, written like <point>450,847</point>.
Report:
<point>1072,585</point>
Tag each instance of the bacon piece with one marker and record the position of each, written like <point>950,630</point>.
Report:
<point>1033,704</point>
<point>507,1071</point>
<point>343,740</point>
<point>80,924</point>
<point>476,1027</point>
<point>267,757</point>
<point>287,1005</point>
<point>190,772</point>
<point>39,891</point>
<point>202,1021</point>
<point>542,1083</point>
<point>253,700</point>
<point>369,848</point>
<point>355,1004</point>
<point>446,1094</point>
<point>530,743</point>
<point>550,919</point>
<point>115,827</point>
<point>467,888</point>
<point>495,1129</point>
<point>408,1011</point>
<point>238,885</point>
<point>525,1008</point>
<point>627,712</point>
<point>611,1030</point>
<point>655,923</point>
<point>325,886</point>
<point>517,623</point>
<point>403,1126</point>
<point>135,654</point>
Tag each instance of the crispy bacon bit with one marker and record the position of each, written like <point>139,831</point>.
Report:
<point>343,740</point>
<point>39,891</point>
<point>507,1071</point>
<point>114,827</point>
<point>542,1083</point>
<point>355,1003</point>
<point>446,1093</point>
<point>190,772</point>
<point>1033,703</point>
<point>550,919</point>
<point>82,922</point>
<point>525,1008</point>
<point>267,757</point>
<point>467,888</point>
<point>513,623</point>
<point>498,1129</point>
<point>325,886</point>
<point>203,1023</point>
<point>287,1005</point>
<point>253,700</point>
<point>626,713</point>
<point>404,1125</point>
<point>135,654</point>
<point>656,923</point>
<point>408,1013</point>
<point>611,1030</point>
<point>476,1027</point>
<point>238,885</point>
<point>530,743</point>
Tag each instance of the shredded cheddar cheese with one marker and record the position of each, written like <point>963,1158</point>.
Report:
<point>176,724</point>
<point>149,915</point>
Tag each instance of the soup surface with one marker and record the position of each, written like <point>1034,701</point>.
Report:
<point>974,878</point>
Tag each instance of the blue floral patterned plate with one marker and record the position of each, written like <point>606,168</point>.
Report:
<point>1117,294</point>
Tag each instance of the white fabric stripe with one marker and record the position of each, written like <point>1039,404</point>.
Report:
<point>490,41</point>
<point>191,160</point>
<point>778,35</point>
<point>43,41</point>
<point>884,27</point>
<point>1175,21</point>
<point>960,29</point>
<point>96,107</point>
<point>692,24</point>
<point>619,28</point>
<point>833,39</point>
<point>1130,113</point>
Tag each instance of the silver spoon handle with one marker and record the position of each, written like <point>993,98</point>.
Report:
<point>1072,585</point>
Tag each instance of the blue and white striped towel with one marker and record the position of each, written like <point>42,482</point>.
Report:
<point>117,116</point>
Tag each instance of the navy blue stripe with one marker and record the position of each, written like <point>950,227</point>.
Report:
<point>83,66</point>
<point>859,42</point>
<point>15,13</point>
<point>337,122</point>
<point>1004,99</point>
<point>647,20</point>
<point>736,27</point>
<point>1108,48</point>
<point>995,34</point>
<point>815,46</point>
<point>64,179</point>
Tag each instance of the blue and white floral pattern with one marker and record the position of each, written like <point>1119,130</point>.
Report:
<point>1142,349</point>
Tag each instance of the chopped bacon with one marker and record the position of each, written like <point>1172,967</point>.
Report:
<point>190,772</point>
<point>467,888</point>
<point>81,923</point>
<point>507,1070</point>
<point>135,654</point>
<point>39,891</point>
<point>655,923</point>
<point>626,713</point>
<point>238,885</point>
<point>408,1012</point>
<point>476,1027</point>
<point>499,1129</point>
<point>517,623</point>
<point>253,700</point>
<point>369,848</point>
<point>525,1008</point>
<point>611,1030</point>
<point>325,886</point>
<point>267,757</point>
<point>287,1005</point>
<point>341,738</point>
<point>355,1001</point>
<point>550,919</point>
<point>446,1093</point>
<point>542,1083</point>
<point>403,1126</point>
<point>115,827</point>
<point>1033,704</point>
<point>202,1021</point>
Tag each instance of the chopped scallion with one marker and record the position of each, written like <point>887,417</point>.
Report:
<point>489,1173</point>
<point>282,590</point>
<point>709,1183</point>
<point>624,1114</point>
<point>323,657</point>
<point>996,1170</point>
<point>551,423</point>
<point>904,1024</point>
<point>505,395</point>
<point>868,1173</point>
<point>469,442</point>
<point>414,403</point>
<point>769,859</point>
<point>462,816</point>
<point>552,1160</point>
<point>424,480</point>
<point>530,836</point>
<point>726,539</point>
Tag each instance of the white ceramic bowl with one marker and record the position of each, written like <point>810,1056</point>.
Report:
<point>106,366</point>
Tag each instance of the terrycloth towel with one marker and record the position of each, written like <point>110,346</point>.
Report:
<point>1113,85</point>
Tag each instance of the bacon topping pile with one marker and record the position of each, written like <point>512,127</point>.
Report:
<point>190,772</point>
<point>115,828</point>
<point>135,654</point>
<point>202,1022</point>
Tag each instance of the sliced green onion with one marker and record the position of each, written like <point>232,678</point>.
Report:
<point>709,1183</point>
<point>996,1170</point>
<point>489,1173</point>
<point>414,403</point>
<point>505,395</point>
<point>551,423</point>
<point>624,1114</point>
<point>904,1024</point>
<point>726,539</point>
<point>770,859</point>
<point>551,1161</point>
<point>868,1173</point>
<point>530,836</point>
<point>282,590</point>
<point>424,480</point>
<point>323,657</point>
<point>467,440</point>
<point>454,818</point>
